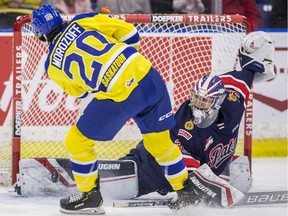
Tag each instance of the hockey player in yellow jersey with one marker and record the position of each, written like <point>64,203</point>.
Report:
<point>97,54</point>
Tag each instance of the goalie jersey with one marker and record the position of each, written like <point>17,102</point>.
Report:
<point>216,144</point>
<point>95,53</point>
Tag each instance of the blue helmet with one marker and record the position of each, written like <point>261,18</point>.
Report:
<point>206,99</point>
<point>45,20</point>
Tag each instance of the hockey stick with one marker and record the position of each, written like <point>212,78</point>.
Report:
<point>250,199</point>
<point>264,198</point>
<point>141,203</point>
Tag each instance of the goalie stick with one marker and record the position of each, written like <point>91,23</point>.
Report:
<point>250,199</point>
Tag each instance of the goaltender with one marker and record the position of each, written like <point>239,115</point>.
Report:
<point>207,127</point>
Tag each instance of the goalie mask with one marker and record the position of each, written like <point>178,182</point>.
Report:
<point>206,99</point>
<point>44,21</point>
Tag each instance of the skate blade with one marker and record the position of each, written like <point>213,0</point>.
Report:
<point>87,211</point>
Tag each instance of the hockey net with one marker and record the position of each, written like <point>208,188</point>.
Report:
<point>181,47</point>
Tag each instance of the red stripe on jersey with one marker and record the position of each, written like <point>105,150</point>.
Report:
<point>240,86</point>
<point>191,162</point>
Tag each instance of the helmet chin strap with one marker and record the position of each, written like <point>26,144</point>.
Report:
<point>203,119</point>
<point>49,37</point>
<point>43,38</point>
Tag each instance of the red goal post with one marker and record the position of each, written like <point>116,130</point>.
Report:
<point>181,47</point>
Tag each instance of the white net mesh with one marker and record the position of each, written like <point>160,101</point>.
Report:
<point>6,150</point>
<point>181,52</point>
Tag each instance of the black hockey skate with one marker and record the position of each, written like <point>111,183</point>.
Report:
<point>88,203</point>
<point>185,197</point>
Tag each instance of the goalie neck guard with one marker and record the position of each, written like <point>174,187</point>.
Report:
<point>206,99</point>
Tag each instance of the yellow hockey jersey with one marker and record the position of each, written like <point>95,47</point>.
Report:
<point>95,53</point>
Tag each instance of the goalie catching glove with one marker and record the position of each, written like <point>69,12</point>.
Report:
<point>257,54</point>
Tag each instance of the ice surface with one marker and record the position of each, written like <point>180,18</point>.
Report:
<point>268,175</point>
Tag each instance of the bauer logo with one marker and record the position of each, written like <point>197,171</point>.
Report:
<point>202,187</point>
<point>265,198</point>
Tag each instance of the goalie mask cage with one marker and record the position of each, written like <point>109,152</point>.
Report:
<point>181,47</point>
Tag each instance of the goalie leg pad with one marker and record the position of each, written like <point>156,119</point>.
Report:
<point>118,179</point>
<point>214,190</point>
<point>53,176</point>
<point>240,175</point>
<point>43,176</point>
<point>150,174</point>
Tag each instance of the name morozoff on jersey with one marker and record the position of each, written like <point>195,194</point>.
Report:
<point>95,53</point>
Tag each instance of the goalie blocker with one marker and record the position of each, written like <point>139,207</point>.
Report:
<point>119,180</point>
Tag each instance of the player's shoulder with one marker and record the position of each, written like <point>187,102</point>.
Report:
<point>183,110</point>
<point>228,75</point>
<point>184,106</point>
<point>83,16</point>
<point>237,78</point>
